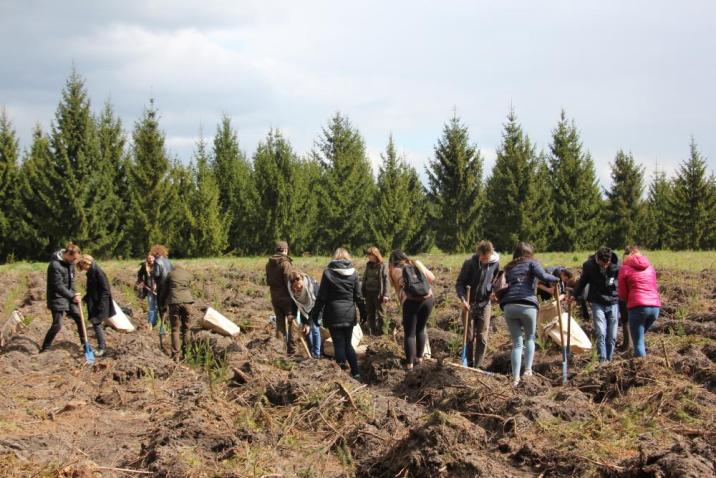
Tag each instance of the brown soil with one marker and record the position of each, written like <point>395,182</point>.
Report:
<point>245,409</point>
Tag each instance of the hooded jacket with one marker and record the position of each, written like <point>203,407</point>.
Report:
<point>637,283</point>
<point>475,274</point>
<point>521,277</point>
<point>338,296</point>
<point>602,283</point>
<point>60,282</point>
<point>99,295</point>
<point>278,269</point>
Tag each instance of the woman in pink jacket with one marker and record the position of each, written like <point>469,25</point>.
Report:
<point>638,288</point>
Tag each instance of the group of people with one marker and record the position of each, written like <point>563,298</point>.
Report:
<point>165,287</point>
<point>341,300</point>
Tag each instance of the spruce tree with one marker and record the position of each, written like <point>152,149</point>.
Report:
<point>399,212</point>
<point>691,204</point>
<point>237,194</point>
<point>347,186</point>
<point>210,234</point>
<point>576,198</point>
<point>112,166</point>
<point>153,197</point>
<point>455,178</point>
<point>307,175</point>
<point>85,182</point>
<point>181,224</point>
<point>39,203</point>
<point>624,212</point>
<point>9,151</point>
<point>656,231</point>
<point>285,203</point>
<point>513,197</point>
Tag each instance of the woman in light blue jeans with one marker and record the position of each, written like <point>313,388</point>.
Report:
<point>519,304</point>
<point>521,318</point>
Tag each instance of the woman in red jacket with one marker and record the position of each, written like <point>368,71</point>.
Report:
<point>638,288</point>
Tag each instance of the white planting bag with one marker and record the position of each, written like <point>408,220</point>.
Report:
<point>548,325</point>
<point>119,321</point>
<point>579,341</point>
<point>214,321</point>
<point>328,342</point>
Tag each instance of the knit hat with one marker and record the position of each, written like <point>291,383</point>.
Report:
<point>281,246</point>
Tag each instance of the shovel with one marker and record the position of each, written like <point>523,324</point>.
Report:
<point>569,332</point>
<point>467,327</point>
<point>561,334</point>
<point>89,354</point>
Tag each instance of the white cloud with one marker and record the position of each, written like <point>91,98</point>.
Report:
<point>634,76</point>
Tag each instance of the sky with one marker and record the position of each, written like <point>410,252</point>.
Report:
<point>634,75</point>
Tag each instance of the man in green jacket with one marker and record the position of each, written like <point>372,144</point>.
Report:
<point>178,298</point>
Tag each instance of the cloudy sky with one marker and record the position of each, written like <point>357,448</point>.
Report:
<point>637,75</point>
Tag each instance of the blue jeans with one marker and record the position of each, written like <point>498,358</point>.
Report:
<point>606,322</point>
<point>152,312</point>
<point>640,319</point>
<point>314,340</point>
<point>521,318</point>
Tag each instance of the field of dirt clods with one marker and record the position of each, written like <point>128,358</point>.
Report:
<point>243,408</point>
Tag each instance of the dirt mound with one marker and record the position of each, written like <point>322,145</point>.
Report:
<point>614,379</point>
<point>446,445</point>
<point>695,459</point>
<point>693,363</point>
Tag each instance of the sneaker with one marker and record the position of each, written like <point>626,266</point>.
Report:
<point>99,352</point>
<point>356,376</point>
<point>516,383</point>
<point>409,367</point>
<point>528,373</point>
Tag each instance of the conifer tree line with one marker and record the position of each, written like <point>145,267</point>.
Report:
<point>116,191</point>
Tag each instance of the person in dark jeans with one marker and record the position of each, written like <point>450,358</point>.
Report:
<point>416,310</point>
<point>178,298</point>
<point>338,296</point>
<point>601,273</point>
<point>478,272</point>
<point>61,296</point>
<point>98,299</point>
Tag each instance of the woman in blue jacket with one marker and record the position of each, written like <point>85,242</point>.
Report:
<point>519,304</point>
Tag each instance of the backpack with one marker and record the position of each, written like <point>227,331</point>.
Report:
<point>500,285</point>
<point>415,284</point>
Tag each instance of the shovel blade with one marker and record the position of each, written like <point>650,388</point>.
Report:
<point>89,354</point>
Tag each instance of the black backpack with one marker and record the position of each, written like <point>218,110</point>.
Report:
<point>415,284</point>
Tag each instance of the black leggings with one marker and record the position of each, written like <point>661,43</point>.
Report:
<point>343,347</point>
<point>415,316</point>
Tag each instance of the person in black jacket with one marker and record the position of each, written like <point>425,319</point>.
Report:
<point>601,273</point>
<point>338,296</point>
<point>61,296</point>
<point>478,272</point>
<point>98,299</point>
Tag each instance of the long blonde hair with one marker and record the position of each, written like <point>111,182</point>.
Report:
<point>375,252</point>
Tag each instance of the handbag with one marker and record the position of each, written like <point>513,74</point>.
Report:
<point>500,285</point>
